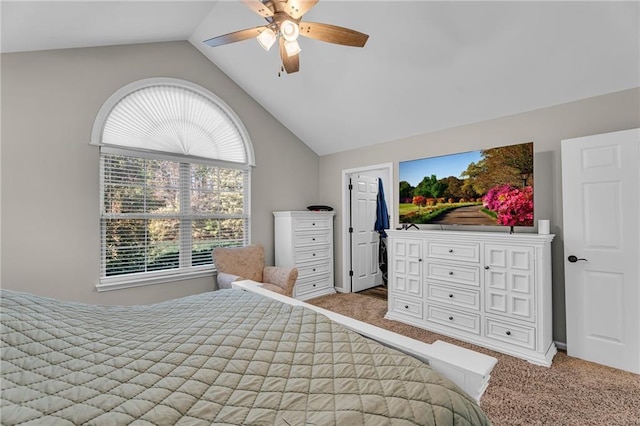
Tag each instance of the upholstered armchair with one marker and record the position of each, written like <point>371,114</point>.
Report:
<point>238,263</point>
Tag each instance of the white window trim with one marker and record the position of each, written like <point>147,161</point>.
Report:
<point>152,155</point>
<point>166,276</point>
<point>152,278</point>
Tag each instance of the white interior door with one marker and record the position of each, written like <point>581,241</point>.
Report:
<point>365,240</point>
<point>601,216</point>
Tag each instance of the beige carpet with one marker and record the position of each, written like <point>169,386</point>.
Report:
<point>570,392</point>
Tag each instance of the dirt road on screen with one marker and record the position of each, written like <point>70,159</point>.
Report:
<point>468,215</point>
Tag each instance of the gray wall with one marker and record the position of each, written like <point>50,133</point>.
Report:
<point>50,227</point>
<point>545,127</point>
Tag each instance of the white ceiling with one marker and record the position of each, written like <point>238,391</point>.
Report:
<point>427,65</point>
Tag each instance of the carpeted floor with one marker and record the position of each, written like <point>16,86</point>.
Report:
<point>570,392</point>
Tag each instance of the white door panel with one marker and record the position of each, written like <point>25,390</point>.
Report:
<point>509,281</point>
<point>600,182</point>
<point>407,267</point>
<point>365,240</point>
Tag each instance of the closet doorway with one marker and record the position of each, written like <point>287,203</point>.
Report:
<point>360,240</point>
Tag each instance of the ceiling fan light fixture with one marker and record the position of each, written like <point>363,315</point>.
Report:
<point>283,26</point>
<point>289,30</point>
<point>292,48</point>
<point>266,38</point>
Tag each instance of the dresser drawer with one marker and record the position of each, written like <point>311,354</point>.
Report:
<point>509,333</point>
<point>313,254</point>
<point>312,223</point>
<point>452,318</point>
<point>466,275</point>
<point>314,268</point>
<point>408,307</point>
<point>314,283</point>
<point>302,239</point>
<point>467,252</point>
<point>469,299</point>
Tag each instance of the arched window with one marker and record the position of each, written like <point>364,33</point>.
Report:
<point>175,165</point>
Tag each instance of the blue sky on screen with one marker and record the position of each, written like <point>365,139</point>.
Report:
<point>447,165</point>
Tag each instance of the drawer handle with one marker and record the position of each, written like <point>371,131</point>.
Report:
<point>508,333</point>
<point>451,318</point>
<point>419,260</point>
<point>451,295</point>
<point>314,285</point>
<point>313,224</point>
<point>406,306</point>
<point>314,269</point>
<point>486,267</point>
<point>313,239</point>
<point>313,254</point>
<point>450,272</point>
<point>450,250</point>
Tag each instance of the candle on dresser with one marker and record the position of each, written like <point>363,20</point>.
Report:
<point>543,226</point>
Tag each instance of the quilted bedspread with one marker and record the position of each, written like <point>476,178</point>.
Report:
<point>225,357</point>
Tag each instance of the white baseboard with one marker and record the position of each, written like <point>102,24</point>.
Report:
<point>561,345</point>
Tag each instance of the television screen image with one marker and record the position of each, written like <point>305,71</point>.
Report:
<point>485,187</point>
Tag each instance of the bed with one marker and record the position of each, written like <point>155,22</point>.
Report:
<point>223,357</point>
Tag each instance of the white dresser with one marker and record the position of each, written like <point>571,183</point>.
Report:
<point>488,288</point>
<point>304,239</point>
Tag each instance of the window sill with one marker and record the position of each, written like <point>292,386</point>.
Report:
<point>119,283</point>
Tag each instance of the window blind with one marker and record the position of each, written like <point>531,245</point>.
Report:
<point>160,215</point>
<point>175,164</point>
<point>174,119</point>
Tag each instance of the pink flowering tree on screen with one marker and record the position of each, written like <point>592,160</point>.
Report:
<point>513,206</point>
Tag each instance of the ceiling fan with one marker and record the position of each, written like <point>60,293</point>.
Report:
<point>284,23</point>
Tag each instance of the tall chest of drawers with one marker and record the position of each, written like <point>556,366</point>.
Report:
<point>491,289</point>
<point>304,239</point>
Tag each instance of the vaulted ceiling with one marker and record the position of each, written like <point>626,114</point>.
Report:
<point>428,65</point>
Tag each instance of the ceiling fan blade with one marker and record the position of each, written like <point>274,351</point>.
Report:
<point>297,8</point>
<point>235,36</point>
<point>333,34</point>
<point>258,7</point>
<point>291,63</point>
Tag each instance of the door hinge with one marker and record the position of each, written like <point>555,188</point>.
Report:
<point>350,187</point>
<point>350,273</point>
<point>350,230</point>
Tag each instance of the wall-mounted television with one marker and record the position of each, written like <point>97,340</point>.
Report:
<point>485,187</point>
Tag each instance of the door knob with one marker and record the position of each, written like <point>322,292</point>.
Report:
<point>574,259</point>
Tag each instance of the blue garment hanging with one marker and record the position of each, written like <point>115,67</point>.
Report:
<point>382,223</point>
<point>382,215</point>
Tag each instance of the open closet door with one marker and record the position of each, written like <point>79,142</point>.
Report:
<point>364,247</point>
